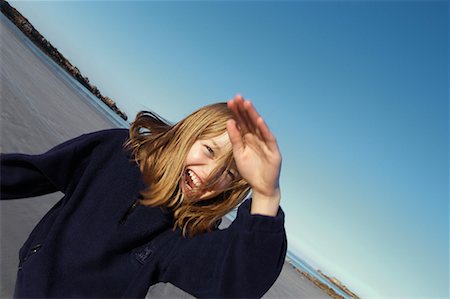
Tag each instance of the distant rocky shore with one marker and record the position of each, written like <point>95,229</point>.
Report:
<point>332,293</point>
<point>339,284</point>
<point>27,28</point>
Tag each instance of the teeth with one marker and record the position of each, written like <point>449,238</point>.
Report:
<point>194,178</point>
<point>187,184</point>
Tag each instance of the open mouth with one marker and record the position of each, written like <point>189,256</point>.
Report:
<point>191,180</point>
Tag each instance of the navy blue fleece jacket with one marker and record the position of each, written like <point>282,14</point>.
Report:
<point>91,244</point>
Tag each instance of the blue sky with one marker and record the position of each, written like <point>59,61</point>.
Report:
<point>355,91</point>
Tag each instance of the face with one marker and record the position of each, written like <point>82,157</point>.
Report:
<point>201,161</point>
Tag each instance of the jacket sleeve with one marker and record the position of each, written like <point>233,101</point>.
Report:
<point>242,261</point>
<point>23,175</point>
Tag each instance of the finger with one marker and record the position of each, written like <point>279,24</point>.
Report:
<point>233,108</point>
<point>251,111</point>
<point>235,136</point>
<point>233,105</point>
<point>267,135</point>
<point>245,117</point>
<point>258,122</point>
<point>252,117</point>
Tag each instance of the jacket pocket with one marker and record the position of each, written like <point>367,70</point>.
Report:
<point>31,252</point>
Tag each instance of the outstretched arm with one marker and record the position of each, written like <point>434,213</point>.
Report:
<point>256,154</point>
<point>24,175</point>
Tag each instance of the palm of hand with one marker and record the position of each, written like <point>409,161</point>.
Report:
<point>255,149</point>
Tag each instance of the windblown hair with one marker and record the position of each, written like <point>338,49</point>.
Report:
<point>160,149</point>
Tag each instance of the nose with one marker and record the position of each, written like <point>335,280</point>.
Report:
<point>209,168</point>
<point>211,165</point>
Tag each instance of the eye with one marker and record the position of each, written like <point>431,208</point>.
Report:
<point>210,150</point>
<point>231,175</point>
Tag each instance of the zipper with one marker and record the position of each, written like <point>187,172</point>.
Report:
<point>129,211</point>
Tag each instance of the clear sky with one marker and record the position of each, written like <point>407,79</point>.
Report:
<point>356,93</point>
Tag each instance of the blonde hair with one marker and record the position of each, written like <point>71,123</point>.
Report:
<point>160,149</point>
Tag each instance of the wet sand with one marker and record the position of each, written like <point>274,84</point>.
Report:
<point>40,108</point>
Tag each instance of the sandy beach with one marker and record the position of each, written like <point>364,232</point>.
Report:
<point>41,107</point>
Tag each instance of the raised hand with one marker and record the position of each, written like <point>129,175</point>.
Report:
<point>256,154</point>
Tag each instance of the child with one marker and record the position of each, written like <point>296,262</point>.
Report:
<point>143,206</point>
